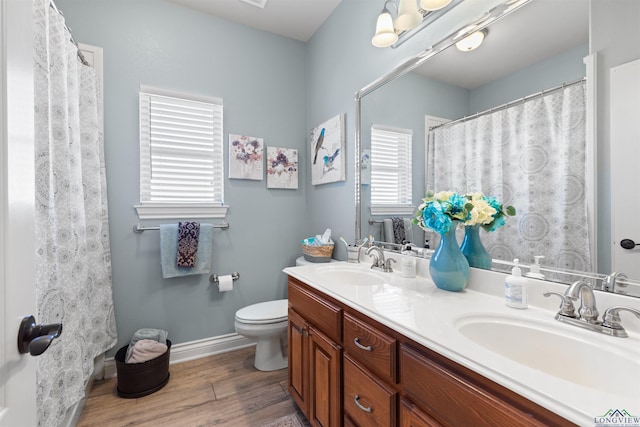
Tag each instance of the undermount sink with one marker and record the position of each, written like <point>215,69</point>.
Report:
<point>352,275</point>
<point>596,363</point>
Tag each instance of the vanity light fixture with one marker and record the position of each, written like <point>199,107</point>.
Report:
<point>434,4</point>
<point>410,19</point>
<point>472,41</point>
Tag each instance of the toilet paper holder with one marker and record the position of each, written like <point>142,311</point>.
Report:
<point>214,277</point>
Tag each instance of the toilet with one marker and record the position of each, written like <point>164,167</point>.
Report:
<point>265,322</point>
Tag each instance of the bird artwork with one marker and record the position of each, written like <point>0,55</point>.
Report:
<point>318,145</point>
<point>328,160</point>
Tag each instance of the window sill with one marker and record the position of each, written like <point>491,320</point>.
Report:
<point>177,211</point>
<point>392,210</point>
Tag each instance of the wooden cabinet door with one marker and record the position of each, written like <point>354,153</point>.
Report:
<point>325,373</point>
<point>298,361</point>
<point>412,416</point>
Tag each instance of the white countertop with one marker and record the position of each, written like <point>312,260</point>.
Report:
<point>430,316</point>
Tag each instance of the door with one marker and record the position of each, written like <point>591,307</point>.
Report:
<point>325,372</point>
<point>17,278</point>
<point>625,170</point>
<point>298,361</point>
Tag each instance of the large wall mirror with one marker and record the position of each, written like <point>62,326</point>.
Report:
<point>531,51</point>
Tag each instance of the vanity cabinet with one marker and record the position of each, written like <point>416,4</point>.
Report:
<point>348,369</point>
<point>315,357</point>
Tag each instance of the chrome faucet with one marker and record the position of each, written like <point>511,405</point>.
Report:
<point>379,262</point>
<point>588,310</point>
<point>587,316</point>
<point>610,283</point>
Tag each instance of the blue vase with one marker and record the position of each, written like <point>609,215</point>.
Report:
<point>448,267</point>
<point>473,250</point>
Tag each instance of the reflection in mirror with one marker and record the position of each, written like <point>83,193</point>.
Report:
<point>508,67</point>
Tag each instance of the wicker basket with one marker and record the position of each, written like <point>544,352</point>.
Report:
<point>321,253</point>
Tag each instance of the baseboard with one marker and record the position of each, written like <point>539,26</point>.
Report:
<point>194,350</point>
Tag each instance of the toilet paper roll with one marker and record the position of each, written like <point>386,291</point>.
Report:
<point>225,283</point>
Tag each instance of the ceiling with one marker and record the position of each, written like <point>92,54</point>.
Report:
<point>536,31</point>
<point>296,19</point>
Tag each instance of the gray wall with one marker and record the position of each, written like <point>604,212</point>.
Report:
<point>262,80</point>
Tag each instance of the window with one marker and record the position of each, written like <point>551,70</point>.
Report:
<point>181,167</point>
<point>391,171</point>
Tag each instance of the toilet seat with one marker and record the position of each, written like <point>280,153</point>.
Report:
<point>263,313</point>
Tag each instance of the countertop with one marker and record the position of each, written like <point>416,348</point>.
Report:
<point>430,316</point>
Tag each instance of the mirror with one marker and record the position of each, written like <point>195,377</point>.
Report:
<point>452,90</point>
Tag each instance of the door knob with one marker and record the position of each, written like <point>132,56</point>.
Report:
<point>36,339</point>
<point>628,243</point>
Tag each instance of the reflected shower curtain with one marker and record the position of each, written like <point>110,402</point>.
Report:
<point>531,156</point>
<point>73,260</point>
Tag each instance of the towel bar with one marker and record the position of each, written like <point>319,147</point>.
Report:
<point>375,221</point>
<point>139,228</point>
<point>214,277</point>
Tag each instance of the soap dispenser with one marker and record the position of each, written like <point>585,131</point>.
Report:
<point>515,288</point>
<point>408,263</point>
<point>535,269</point>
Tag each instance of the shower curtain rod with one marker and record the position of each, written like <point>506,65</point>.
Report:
<point>509,104</point>
<point>80,55</point>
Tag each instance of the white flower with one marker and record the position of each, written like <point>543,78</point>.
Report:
<point>482,212</point>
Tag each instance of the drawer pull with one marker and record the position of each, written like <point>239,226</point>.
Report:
<point>360,346</point>
<point>356,399</point>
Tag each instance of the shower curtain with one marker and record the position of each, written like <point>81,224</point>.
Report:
<point>531,156</point>
<point>73,260</point>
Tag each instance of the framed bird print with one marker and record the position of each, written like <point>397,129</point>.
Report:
<point>328,151</point>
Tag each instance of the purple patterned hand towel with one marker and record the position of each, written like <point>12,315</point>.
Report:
<point>188,233</point>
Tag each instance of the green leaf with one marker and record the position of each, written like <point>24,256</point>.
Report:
<point>511,211</point>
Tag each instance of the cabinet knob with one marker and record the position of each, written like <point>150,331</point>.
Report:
<point>356,399</point>
<point>356,341</point>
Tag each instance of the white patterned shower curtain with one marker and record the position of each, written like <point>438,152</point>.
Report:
<point>73,260</point>
<point>531,156</point>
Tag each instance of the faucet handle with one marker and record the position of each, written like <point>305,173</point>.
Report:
<point>611,318</point>
<point>387,265</point>
<point>566,306</point>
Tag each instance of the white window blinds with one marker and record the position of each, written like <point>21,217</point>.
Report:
<point>391,168</point>
<point>180,148</point>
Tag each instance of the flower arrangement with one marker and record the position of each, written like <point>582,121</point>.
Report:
<point>438,211</point>
<point>487,212</point>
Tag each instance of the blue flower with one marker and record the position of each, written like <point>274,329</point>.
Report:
<point>435,218</point>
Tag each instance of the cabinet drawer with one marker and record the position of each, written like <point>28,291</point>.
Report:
<point>324,315</point>
<point>367,401</point>
<point>371,348</point>
<point>451,399</point>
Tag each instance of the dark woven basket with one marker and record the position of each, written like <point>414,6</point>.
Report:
<point>141,379</point>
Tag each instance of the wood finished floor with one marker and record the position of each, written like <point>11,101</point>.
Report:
<point>220,390</point>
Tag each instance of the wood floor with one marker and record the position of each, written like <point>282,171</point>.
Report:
<point>220,390</point>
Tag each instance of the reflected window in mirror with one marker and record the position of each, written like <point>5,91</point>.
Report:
<point>391,171</point>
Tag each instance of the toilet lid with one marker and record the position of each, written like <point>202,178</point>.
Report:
<point>264,312</point>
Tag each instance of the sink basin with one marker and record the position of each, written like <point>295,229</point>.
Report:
<point>596,362</point>
<point>352,275</point>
